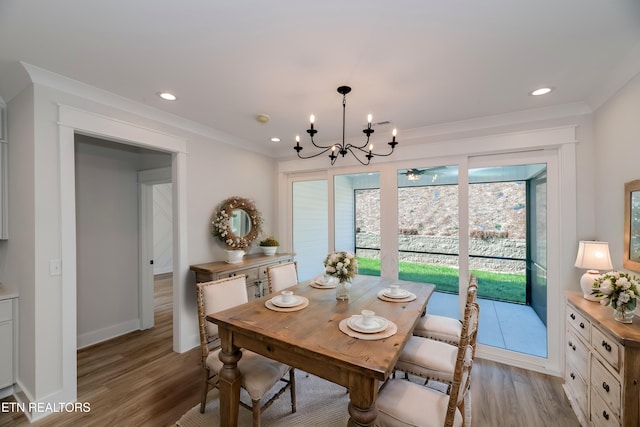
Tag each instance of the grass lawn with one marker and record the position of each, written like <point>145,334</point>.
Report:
<point>497,286</point>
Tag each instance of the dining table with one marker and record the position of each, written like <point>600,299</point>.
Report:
<point>314,339</point>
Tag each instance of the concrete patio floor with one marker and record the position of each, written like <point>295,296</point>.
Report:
<point>505,325</point>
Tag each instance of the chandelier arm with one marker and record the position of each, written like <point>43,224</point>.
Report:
<point>322,147</point>
<point>353,153</point>
<point>371,153</point>
<point>315,155</point>
<point>360,147</point>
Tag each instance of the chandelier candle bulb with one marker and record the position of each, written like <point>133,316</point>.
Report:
<point>312,119</point>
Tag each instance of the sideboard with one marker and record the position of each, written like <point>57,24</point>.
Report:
<point>602,372</point>
<point>254,266</point>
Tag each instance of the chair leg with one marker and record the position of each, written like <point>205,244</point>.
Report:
<point>205,389</point>
<point>292,385</point>
<point>466,422</point>
<point>255,410</point>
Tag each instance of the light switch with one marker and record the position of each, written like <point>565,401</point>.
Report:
<point>55,267</point>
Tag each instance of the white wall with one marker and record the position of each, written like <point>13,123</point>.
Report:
<point>617,160</point>
<point>16,254</point>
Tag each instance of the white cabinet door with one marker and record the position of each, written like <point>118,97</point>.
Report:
<point>6,354</point>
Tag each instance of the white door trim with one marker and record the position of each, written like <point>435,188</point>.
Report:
<point>71,121</point>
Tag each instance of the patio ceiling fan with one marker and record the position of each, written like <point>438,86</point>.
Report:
<point>414,174</point>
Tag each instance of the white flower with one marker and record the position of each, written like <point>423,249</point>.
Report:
<point>623,283</point>
<point>606,287</point>
<point>623,298</point>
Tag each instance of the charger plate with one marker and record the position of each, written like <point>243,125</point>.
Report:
<point>390,331</point>
<point>272,306</point>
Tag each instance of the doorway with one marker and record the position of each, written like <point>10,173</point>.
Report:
<point>73,121</point>
<point>112,276</point>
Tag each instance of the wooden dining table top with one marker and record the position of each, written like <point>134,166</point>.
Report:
<point>311,339</point>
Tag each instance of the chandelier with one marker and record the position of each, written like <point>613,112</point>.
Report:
<point>360,152</point>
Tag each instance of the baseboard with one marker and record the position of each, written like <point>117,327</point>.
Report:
<point>6,391</point>
<point>95,337</point>
<point>35,410</point>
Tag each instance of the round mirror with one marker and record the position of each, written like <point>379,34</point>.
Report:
<point>237,223</point>
<point>240,222</point>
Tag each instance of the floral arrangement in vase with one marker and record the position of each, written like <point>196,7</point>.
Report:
<point>343,266</point>
<point>619,290</point>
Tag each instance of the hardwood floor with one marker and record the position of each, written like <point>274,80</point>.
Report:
<point>133,380</point>
<point>137,380</point>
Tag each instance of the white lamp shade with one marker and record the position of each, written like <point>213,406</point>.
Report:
<point>593,255</point>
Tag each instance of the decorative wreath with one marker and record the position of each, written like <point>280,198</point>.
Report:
<point>221,225</point>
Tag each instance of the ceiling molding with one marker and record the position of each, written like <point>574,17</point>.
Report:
<point>55,81</point>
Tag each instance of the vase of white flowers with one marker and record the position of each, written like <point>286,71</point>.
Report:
<point>619,290</point>
<point>343,266</point>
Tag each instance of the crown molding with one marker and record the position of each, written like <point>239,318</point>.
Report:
<point>52,80</point>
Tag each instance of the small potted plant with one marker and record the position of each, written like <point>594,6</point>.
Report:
<point>269,245</point>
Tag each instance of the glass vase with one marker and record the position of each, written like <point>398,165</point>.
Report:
<point>623,314</point>
<point>342,290</point>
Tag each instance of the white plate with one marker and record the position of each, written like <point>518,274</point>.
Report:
<point>295,300</point>
<point>378,324</point>
<point>324,281</point>
<point>403,293</point>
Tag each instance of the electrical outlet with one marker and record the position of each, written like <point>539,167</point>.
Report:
<point>55,267</point>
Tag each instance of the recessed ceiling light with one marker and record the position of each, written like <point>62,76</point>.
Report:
<point>541,91</point>
<point>275,139</point>
<point>167,96</point>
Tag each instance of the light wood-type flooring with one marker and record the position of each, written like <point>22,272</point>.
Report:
<point>137,380</point>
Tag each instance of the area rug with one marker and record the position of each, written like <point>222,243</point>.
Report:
<point>320,403</point>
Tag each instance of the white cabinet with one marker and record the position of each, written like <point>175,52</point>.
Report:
<point>602,368</point>
<point>7,325</point>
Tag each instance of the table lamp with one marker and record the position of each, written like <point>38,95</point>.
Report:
<point>593,256</point>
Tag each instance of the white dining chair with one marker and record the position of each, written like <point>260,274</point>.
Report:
<point>282,276</point>
<point>442,328</point>
<point>402,403</point>
<point>436,360</point>
<point>259,374</point>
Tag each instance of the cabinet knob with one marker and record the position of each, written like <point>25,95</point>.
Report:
<point>581,325</point>
<point>573,316</point>
<point>606,345</point>
<point>605,415</point>
<point>572,375</point>
<point>605,386</point>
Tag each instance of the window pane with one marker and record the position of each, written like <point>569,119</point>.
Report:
<point>498,238</point>
<point>368,231</point>
<point>357,218</point>
<point>428,241</point>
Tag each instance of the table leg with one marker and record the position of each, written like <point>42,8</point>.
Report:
<point>363,392</point>
<point>229,384</point>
